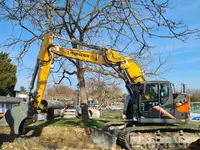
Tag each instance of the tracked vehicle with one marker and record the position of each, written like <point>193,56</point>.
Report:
<point>155,120</point>
<point>153,110</point>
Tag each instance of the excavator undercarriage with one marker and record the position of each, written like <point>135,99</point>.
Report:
<point>144,136</point>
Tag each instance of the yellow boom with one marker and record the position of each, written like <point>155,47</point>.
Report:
<point>107,57</point>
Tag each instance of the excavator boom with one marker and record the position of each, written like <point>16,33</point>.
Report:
<point>103,56</point>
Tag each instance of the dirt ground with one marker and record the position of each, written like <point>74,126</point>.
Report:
<point>61,138</point>
<point>65,138</point>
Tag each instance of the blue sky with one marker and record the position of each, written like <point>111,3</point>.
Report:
<point>184,57</point>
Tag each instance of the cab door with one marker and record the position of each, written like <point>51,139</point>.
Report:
<point>150,100</point>
<point>166,101</point>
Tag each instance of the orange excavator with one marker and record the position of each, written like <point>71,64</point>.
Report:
<point>153,109</point>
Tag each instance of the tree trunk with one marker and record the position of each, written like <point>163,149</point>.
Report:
<point>82,92</point>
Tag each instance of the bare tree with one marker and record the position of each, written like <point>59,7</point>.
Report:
<point>121,24</point>
<point>103,92</point>
<point>59,92</point>
<point>194,95</point>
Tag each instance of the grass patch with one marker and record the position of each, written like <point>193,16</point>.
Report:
<point>89,123</point>
<point>74,123</point>
<point>194,124</point>
<point>111,114</point>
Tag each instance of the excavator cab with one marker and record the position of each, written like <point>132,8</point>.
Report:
<point>157,103</point>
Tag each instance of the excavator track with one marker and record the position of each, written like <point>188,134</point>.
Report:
<point>151,137</point>
<point>123,139</point>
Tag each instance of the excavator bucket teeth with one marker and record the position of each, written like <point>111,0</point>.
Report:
<point>103,139</point>
<point>16,116</point>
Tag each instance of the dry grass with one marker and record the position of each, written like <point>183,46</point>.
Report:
<point>69,138</point>
<point>52,138</point>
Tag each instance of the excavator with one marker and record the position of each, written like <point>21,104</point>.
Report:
<point>154,111</point>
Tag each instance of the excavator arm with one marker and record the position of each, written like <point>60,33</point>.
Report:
<point>126,67</point>
<point>107,57</point>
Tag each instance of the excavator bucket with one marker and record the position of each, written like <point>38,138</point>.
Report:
<point>16,117</point>
<point>103,139</point>
<point>107,136</point>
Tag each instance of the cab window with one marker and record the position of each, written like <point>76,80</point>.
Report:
<point>151,92</point>
<point>164,93</point>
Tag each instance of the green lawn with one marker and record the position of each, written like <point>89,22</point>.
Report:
<point>194,123</point>
<point>111,114</point>
<point>106,117</point>
<point>74,122</point>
